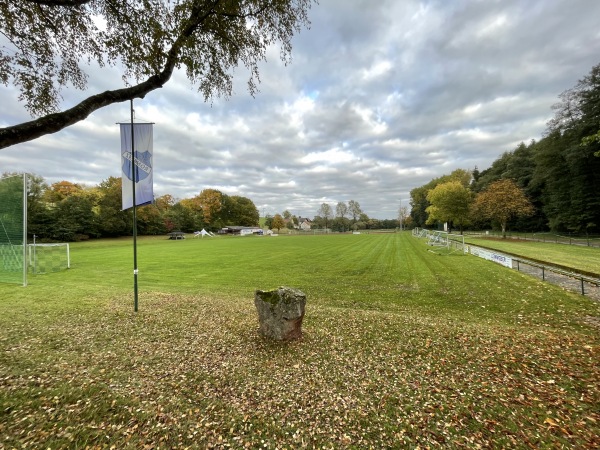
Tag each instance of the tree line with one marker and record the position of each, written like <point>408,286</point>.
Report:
<point>66,211</point>
<point>551,184</point>
<point>346,217</point>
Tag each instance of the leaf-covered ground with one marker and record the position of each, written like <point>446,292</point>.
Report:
<point>192,371</point>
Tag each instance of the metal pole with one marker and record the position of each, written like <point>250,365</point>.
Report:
<point>25,182</point>
<point>133,180</point>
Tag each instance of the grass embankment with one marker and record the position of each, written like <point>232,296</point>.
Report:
<point>579,258</point>
<point>402,348</point>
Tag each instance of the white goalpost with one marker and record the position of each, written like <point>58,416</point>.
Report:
<point>442,239</point>
<point>438,239</point>
<point>456,243</point>
<point>47,258</point>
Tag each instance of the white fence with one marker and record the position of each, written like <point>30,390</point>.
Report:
<point>586,285</point>
<point>491,256</point>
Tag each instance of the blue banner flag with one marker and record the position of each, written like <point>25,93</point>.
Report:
<point>142,156</point>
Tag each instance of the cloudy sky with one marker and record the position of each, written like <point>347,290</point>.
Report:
<point>381,97</point>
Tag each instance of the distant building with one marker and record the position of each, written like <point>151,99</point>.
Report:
<point>242,231</point>
<point>304,223</point>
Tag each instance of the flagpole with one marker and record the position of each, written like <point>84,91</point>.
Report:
<point>133,179</point>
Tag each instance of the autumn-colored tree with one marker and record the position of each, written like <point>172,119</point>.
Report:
<point>210,202</point>
<point>60,190</point>
<point>66,211</point>
<point>182,216</point>
<point>501,201</point>
<point>164,202</point>
<point>187,216</point>
<point>449,202</point>
<point>150,220</point>
<point>277,223</point>
<point>112,220</point>
<point>418,196</point>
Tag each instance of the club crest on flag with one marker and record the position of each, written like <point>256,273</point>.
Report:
<point>143,165</point>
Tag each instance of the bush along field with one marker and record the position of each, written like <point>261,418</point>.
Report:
<point>402,348</point>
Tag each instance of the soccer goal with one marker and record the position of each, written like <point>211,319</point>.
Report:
<point>47,258</point>
<point>456,243</point>
<point>452,243</point>
<point>13,229</point>
<point>438,239</point>
<point>420,232</point>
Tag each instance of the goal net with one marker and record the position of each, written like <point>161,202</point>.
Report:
<point>456,243</point>
<point>438,239</point>
<point>420,232</point>
<point>47,258</point>
<point>13,229</point>
<point>451,242</point>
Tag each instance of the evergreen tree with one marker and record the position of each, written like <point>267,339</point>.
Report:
<point>566,163</point>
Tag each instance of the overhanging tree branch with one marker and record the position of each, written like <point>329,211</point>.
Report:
<point>52,123</point>
<point>149,40</point>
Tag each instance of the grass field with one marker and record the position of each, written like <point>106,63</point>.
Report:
<point>402,348</point>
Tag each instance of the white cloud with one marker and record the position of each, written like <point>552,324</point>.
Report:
<point>376,70</point>
<point>329,157</point>
<point>380,98</point>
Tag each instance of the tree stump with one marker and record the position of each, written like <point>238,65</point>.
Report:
<point>280,312</point>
